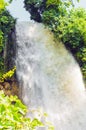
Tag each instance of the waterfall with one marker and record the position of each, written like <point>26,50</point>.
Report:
<point>49,77</point>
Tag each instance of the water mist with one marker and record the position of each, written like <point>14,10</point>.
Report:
<point>49,77</point>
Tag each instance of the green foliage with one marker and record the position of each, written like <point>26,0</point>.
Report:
<point>50,17</point>
<point>10,1</point>
<point>1,66</point>
<point>35,7</point>
<point>67,23</point>
<point>38,7</point>
<point>1,41</point>
<point>12,115</point>
<point>8,74</point>
<point>52,2</point>
<point>35,2</point>
<point>2,4</point>
<point>70,27</point>
<point>7,23</point>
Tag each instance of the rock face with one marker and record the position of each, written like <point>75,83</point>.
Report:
<point>36,9</point>
<point>10,87</point>
<point>10,51</point>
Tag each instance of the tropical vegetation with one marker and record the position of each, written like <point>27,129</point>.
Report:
<point>7,23</point>
<point>12,111</point>
<point>12,115</point>
<point>67,23</point>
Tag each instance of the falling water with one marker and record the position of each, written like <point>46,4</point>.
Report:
<point>49,77</point>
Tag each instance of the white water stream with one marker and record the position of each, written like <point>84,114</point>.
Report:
<point>49,77</point>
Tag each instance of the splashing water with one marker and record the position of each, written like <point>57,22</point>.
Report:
<point>49,77</point>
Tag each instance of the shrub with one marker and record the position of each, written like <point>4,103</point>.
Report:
<point>7,23</point>
<point>12,114</point>
<point>2,4</point>
<point>70,28</point>
<point>67,23</point>
<point>8,74</point>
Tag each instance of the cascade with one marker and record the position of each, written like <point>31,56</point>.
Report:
<point>49,77</point>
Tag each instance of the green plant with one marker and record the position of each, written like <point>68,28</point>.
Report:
<point>37,7</point>
<point>66,22</point>
<point>8,74</point>
<point>1,66</point>
<point>2,4</point>
<point>12,114</point>
<point>1,41</point>
<point>73,35</point>
<point>7,23</point>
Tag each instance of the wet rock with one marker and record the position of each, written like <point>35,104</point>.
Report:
<point>7,92</point>
<point>10,87</point>
<point>14,89</point>
<point>7,86</point>
<point>1,87</point>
